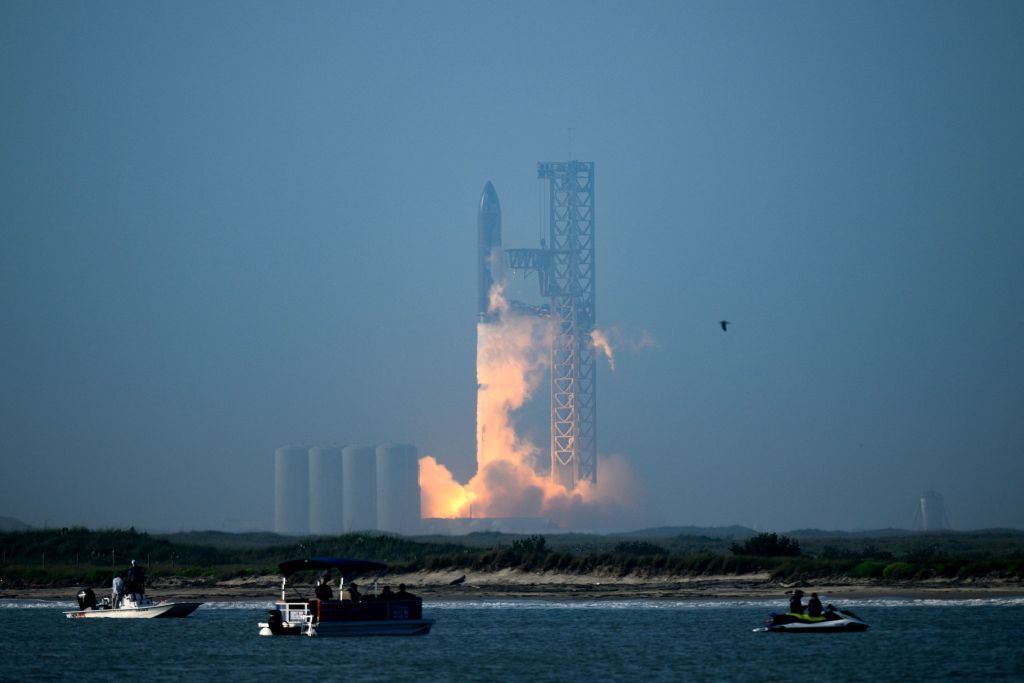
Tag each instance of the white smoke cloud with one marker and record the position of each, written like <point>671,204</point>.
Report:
<point>600,341</point>
<point>513,359</point>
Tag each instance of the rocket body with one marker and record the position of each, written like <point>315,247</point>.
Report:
<point>489,257</point>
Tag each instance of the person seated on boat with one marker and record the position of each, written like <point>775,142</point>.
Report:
<point>403,594</point>
<point>117,592</point>
<point>814,606</point>
<point>351,593</point>
<point>796,603</point>
<point>323,589</point>
<point>386,594</point>
<point>136,581</point>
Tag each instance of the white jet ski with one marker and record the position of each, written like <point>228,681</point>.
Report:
<point>832,620</point>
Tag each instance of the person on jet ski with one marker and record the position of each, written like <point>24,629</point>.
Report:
<point>814,606</point>
<point>796,604</point>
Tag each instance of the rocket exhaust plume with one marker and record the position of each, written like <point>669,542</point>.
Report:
<point>512,362</point>
<point>600,342</point>
<point>609,339</point>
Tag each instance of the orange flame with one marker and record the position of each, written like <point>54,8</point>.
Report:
<point>512,360</point>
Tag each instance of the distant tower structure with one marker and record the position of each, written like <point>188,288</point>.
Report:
<point>565,267</point>
<point>931,513</point>
<point>325,485</point>
<point>398,488</point>
<point>291,490</point>
<point>359,488</point>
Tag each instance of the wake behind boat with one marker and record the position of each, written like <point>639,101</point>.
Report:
<point>383,614</point>
<point>129,607</point>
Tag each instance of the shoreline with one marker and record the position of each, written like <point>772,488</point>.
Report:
<point>519,585</point>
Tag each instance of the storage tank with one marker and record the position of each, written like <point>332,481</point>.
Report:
<point>325,490</point>
<point>931,512</point>
<point>359,488</point>
<point>291,490</point>
<point>398,488</point>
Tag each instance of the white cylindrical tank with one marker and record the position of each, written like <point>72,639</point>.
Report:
<point>398,488</point>
<point>932,512</point>
<point>325,490</point>
<point>291,490</point>
<point>359,488</point>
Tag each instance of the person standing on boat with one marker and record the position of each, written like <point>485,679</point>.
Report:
<point>136,581</point>
<point>796,604</point>
<point>117,592</point>
<point>323,589</point>
<point>351,593</point>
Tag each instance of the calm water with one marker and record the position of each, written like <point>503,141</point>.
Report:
<point>529,640</point>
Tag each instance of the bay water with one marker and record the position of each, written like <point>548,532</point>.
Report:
<point>529,640</point>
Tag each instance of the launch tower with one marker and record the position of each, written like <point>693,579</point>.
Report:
<point>565,267</point>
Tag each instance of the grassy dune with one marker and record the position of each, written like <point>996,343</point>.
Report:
<point>66,557</point>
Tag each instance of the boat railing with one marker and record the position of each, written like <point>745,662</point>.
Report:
<point>295,612</point>
<point>344,610</point>
<point>368,610</point>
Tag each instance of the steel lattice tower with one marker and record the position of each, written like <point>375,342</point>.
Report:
<point>573,316</point>
<point>565,267</point>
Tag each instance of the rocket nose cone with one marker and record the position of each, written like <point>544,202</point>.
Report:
<point>489,200</point>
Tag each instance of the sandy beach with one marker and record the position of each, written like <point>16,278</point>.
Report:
<point>554,586</point>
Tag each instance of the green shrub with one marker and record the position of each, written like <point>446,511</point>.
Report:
<point>899,571</point>
<point>871,551</point>
<point>191,572</point>
<point>530,545</point>
<point>870,569</point>
<point>97,577</point>
<point>639,548</point>
<point>767,545</point>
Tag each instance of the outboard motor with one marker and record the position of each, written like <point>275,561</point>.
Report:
<point>86,599</point>
<point>275,622</point>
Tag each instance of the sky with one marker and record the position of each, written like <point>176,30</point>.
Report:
<point>230,226</point>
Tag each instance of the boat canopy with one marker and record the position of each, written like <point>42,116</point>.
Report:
<point>348,568</point>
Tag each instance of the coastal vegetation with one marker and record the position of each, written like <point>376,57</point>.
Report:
<point>73,556</point>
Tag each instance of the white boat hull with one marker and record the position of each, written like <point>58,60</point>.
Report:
<point>149,611</point>
<point>830,622</point>
<point>407,627</point>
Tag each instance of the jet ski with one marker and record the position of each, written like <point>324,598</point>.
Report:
<point>832,620</point>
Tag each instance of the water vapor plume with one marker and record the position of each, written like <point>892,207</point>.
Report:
<point>600,341</point>
<point>513,359</point>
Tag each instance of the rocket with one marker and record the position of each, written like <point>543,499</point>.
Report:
<point>489,257</point>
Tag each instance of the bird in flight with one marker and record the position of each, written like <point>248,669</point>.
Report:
<point>724,324</point>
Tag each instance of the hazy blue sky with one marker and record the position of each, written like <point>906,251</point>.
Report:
<point>227,226</point>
